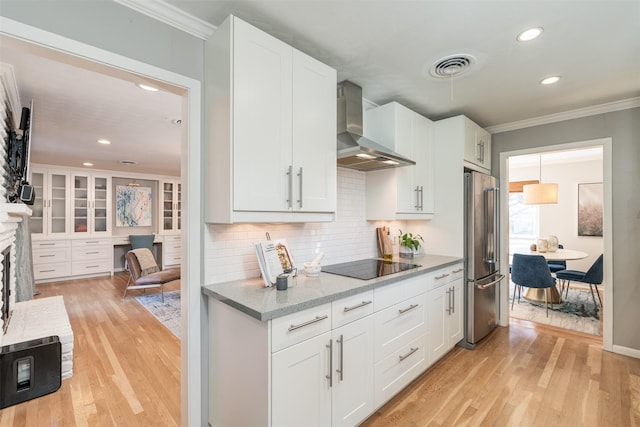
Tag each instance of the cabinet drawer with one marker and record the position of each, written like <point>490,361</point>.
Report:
<point>51,271</point>
<point>446,275</point>
<point>79,268</point>
<point>397,325</point>
<point>46,256</point>
<point>49,244</point>
<point>400,368</point>
<point>386,296</point>
<point>352,308</point>
<point>297,327</point>
<point>88,252</point>
<point>91,242</point>
<point>172,259</point>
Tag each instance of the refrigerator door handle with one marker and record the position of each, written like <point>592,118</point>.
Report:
<point>490,255</point>
<point>488,285</point>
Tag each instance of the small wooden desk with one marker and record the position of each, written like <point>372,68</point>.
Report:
<point>537,294</point>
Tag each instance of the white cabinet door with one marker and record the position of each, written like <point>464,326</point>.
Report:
<point>456,318</point>
<point>170,206</point>
<point>406,192</point>
<point>314,135</point>
<point>352,391</point>
<point>477,145</point>
<point>91,204</point>
<point>438,303</point>
<point>262,90</point>
<point>51,206</point>
<point>301,390</point>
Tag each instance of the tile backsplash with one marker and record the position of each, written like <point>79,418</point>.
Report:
<point>229,253</point>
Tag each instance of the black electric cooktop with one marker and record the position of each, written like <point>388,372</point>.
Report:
<point>367,269</point>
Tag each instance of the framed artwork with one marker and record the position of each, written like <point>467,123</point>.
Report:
<point>590,202</point>
<point>133,206</point>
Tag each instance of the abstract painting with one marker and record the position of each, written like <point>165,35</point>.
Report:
<point>590,202</point>
<point>133,206</point>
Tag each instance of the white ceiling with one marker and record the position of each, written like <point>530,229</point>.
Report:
<point>385,46</point>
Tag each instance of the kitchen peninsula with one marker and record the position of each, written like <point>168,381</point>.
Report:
<point>328,350</point>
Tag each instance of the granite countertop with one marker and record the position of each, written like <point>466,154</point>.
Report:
<point>251,297</point>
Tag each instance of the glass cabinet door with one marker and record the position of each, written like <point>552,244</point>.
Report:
<point>100,206</point>
<point>57,204</point>
<point>179,207</point>
<point>167,206</point>
<point>81,204</point>
<point>37,220</point>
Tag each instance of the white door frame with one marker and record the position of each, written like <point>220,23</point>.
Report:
<point>193,391</point>
<point>607,175</point>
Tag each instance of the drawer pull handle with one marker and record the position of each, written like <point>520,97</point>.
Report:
<point>93,242</point>
<point>308,322</point>
<point>404,310</point>
<point>92,266</point>
<point>46,256</point>
<point>46,271</point>
<point>353,307</point>
<point>460,270</point>
<point>442,276</point>
<point>46,244</point>
<point>413,350</point>
<point>90,253</point>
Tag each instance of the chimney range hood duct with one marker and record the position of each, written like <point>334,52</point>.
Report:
<point>354,150</point>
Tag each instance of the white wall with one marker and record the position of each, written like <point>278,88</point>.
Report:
<point>229,254</point>
<point>561,219</point>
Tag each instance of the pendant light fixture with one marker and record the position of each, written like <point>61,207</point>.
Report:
<point>540,194</point>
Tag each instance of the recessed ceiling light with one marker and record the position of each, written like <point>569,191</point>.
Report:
<point>530,34</point>
<point>147,87</point>
<point>87,164</point>
<point>104,141</point>
<point>550,80</point>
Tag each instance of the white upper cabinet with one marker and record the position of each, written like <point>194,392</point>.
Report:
<point>271,117</point>
<point>170,220</point>
<point>91,204</point>
<point>406,192</point>
<point>477,147</point>
<point>50,209</point>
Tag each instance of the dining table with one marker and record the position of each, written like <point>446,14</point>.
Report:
<point>537,294</point>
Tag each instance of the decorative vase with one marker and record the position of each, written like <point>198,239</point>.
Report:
<point>543,245</point>
<point>553,243</point>
<point>406,252</point>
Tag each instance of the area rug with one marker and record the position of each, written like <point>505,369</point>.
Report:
<point>576,312</point>
<point>168,313</point>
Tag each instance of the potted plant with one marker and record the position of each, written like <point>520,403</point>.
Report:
<point>409,244</point>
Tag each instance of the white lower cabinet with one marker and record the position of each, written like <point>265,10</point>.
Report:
<point>445,308</point>
<point>333,364</point>
<point>51,259</point>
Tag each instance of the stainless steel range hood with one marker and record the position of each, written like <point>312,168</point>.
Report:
<point>354,150</point>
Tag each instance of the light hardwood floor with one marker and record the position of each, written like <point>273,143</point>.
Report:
<point>126,365</point>
<point>523,375</point>
<point>127,373</point>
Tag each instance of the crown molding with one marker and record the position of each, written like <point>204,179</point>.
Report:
<point>8,80</point>
<point>171,15</point>
<point>609,107</point>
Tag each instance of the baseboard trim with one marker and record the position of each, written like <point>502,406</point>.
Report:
<point>626,351</point>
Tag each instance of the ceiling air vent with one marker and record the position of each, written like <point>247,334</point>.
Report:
<point>451,66</point>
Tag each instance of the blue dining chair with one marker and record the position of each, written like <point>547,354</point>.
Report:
<point>555,266</point>
<point>531,271</point>
<point>593,276</point>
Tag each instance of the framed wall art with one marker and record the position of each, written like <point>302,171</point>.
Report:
<point>590,203</point>
<point>133,206</point>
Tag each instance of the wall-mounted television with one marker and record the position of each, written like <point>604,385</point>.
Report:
<point>19,151</point>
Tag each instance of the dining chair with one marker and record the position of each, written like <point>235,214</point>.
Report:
<point>531,271</point>
<point>555,266</point>
<point>593,276</point>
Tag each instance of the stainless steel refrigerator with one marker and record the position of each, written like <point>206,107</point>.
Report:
<point>482,256</point>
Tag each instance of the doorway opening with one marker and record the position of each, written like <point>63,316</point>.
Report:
<point>531,226</point>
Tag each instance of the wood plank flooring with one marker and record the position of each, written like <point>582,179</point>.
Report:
<point>524,375</point>
<point>126,365</point>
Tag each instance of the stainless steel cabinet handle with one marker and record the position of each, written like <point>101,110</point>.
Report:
<point>460,270</point>
<point>421,198</point>
<point>442,276</point>
<point>413,350</point>
<point>290,181</point>
<point>92,266</point>
<point>353,307</point>
<point>46,244</point>
<point>448,301</point>
<point>330,375</point>
<point>308,322</point>
<point>91,253</point>
<point>453,300</point>
<point>417,190</point>
<point>341,370</point>
<point>300,189</point>
<point>46,256</point>
<point>404,310</point>
<point>46,271</point>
